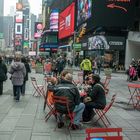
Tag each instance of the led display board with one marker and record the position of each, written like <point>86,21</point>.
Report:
<point>18,28</point>
<point>54,19</point>
<point>112,13</point>
<point>97,42</point>
<point>19,16</point>
<point>38,29</point>
<point>84,10</point>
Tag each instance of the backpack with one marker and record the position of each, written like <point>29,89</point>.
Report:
<point>3,76</point>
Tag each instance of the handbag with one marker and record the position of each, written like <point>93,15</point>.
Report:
<point>87,99</point>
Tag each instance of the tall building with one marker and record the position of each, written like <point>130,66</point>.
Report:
<point>8,30</point>
<point>1,15</point>
<point>1,7</point>
<point>33,20</point>
<point>12,11</point>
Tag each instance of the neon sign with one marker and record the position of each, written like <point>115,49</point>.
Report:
<point>113,5</point>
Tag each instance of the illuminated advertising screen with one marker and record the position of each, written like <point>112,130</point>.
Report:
<point>112,13</point>
<point>66,22</point>
<point>84,9</point>
<point>18,28</point>
<point>19,16</point>
<point>38,29</point>
<point>54,19</point>
<point>97,42</point>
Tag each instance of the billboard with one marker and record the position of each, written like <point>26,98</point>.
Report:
<point>38,29</point>
<point>54,19</point>
<point>84,9</point>
<point>18,28</point>
<point>66,21</point>
<point>19,16</point>
<point>97,42</point>
<point>112,13</point>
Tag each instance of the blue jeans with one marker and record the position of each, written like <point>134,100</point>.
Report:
<point>16,91</point>
<point>78,110</point>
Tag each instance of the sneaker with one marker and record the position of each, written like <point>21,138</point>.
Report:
<point>87,122</point>
<point>60,124</point>
<point>75,126</point>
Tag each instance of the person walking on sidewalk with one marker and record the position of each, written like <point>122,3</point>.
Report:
<point>3,74</point>
<point>18,72</point>
<point>28,70</point>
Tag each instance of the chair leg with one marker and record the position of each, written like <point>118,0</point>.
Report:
<point>44,107</point>
<point>49,115</point>
<point>102,117</point>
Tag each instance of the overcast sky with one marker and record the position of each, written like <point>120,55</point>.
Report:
<point>35,6</point>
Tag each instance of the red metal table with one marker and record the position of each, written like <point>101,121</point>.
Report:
<point>134,90</point>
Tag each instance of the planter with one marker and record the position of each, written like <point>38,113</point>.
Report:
<point>108,72</point>
<point>39,69</point>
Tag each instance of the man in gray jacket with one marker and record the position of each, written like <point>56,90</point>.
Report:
<point>18,73</point>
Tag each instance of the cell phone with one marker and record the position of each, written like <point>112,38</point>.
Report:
<point>97,139</point>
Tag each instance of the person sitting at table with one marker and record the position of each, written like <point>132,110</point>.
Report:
<point>62,75</point>
<point>95,98</point>
<point>68,89</point>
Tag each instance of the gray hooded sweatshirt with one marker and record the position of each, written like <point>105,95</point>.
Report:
<point>18,73</point>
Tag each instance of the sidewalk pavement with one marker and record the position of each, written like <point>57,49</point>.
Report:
<point>24,120</point>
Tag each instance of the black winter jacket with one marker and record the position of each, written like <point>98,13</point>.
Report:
<point>28,70</point>
<point>67,89</point>
<point>98,94</point>
<point>3,71</point>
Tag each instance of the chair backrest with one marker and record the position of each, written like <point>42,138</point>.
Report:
<point>108,106</point>
<point>34,82</point>
<point>111,133</point>
<point>107,81</point>
<point>62,100</point>
<point>50,99</point>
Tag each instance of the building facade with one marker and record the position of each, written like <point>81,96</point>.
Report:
<point>8,31</point>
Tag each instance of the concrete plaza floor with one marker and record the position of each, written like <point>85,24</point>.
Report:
<point>24,120</point>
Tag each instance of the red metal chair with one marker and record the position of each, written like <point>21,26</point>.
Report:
<point>98,134</point>
<point>106,84</point>
<point>49,102</point>
<point>137,106</point>
<point>39,89</point>
<point>65,102</point>
<point>102,113</point>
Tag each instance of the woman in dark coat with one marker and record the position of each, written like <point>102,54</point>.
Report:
<point>28,70</point>
<point>3,72</point>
